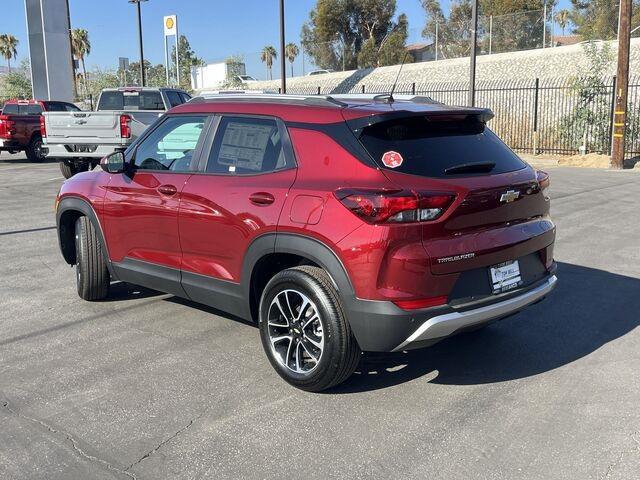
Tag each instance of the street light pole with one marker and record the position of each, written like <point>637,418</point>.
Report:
<point>143,79</point>
<point>283,72</point>
<point>472,62</point>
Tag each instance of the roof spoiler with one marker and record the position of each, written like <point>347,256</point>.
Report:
<point>481,114</point>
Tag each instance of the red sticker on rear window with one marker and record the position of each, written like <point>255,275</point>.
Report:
<point>392,159</point>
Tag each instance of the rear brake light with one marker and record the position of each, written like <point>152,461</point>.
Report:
<point>422,303</point>
<point>395,206</point>
<point>125,129</point>
<point>43,127</point>
<point>543,179</point>
<point>7,127</point>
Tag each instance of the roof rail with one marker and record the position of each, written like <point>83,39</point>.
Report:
<point>239,96</point>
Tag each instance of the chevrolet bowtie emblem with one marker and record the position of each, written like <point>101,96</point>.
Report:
<point>509,196</point>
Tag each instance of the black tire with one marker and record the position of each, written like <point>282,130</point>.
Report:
<point>92,274</point>
<point>340,353</point>
<point>69,170</point>
<point>34,150</point>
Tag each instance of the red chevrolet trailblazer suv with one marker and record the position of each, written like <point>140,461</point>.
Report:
<point>339,224</point>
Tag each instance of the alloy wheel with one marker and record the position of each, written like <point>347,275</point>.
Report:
<point>296,333</point>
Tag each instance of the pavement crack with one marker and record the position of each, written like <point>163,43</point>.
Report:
<point>613,465</point>
<point>71,439</point>
<point>162,444</point>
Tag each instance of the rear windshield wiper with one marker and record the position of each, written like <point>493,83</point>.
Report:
<point>477,167</point>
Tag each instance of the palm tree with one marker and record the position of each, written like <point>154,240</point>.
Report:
<point>81,47</point>
<point>8,48</point>
<point>291,51</point>
<point>562,17</point>
<point>268,55</point>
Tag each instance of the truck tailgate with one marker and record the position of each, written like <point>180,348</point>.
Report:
<point>78,126</point>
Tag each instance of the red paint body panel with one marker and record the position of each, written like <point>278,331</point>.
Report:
<point>218,221</point>
<point>139,221</point>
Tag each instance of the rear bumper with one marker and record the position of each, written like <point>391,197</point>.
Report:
<point>10,145</point>
<point>384,327</point>
<point>447,324</point>
<point>60,151</point>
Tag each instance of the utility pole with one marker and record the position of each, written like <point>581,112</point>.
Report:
<point>283,70</point>
<point>618,130</point>
<point>472,57</point>
<point>143,80</point>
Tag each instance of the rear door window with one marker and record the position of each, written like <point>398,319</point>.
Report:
<point>247,145</point>
<point>438,146</point>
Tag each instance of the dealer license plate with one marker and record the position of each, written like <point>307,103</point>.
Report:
<point>505,276</point>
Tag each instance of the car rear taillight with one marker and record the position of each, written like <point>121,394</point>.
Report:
<point>7,127</point>
<point>543,179</point>
<point>395,206</point>
<point>43,127</point>
<point>421,303</point>
<point>125,128</point>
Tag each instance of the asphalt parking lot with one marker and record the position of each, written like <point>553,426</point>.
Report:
<point>148,386</point>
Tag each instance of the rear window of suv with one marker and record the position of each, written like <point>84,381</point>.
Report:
<point>438,146</point>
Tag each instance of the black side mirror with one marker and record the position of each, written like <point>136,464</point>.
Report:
<point>113,163</point>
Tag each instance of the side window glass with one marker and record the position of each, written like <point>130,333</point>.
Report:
<point>185,97</point>
<point>174,98</point>
<point>55,107</point>
<point>246,146</point>
<point>170,147</point>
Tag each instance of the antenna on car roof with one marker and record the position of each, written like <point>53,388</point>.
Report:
<point>389,98</point>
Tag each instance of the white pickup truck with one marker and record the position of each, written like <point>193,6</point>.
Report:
<point>80,139</point>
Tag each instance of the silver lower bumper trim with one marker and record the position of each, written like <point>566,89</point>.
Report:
<point>448,323</point>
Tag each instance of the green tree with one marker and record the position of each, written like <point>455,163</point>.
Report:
<point>235,68</point>
<point>291,51</point>
<point>81,47</point>
<point>17,83</point>
<point>8,48</point>
<point>101,79</point>
<point>187,59</point>
<point>562,18</point>
<point>598,19</point>
<point>390,51</point>
<point>516,25</point>
<point>589,121</point>
<point>156,75</point>
<point>338,30</point>
<point>267,56</point>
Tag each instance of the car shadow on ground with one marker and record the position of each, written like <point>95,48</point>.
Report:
<point>119,291</point>
<point>588,309</point>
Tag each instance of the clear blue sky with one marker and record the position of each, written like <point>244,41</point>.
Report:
<point>215,28</point>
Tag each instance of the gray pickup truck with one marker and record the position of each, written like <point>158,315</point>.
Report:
<point>80,139</point>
